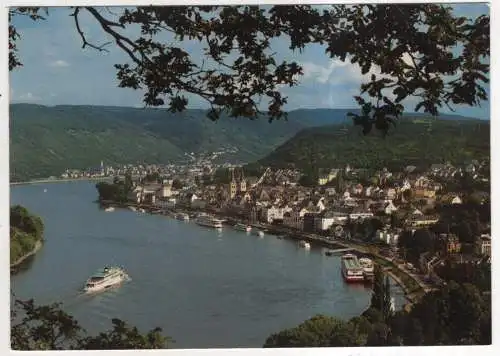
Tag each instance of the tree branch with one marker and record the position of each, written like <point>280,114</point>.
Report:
<point>119,39</point>
<point>82,35</point>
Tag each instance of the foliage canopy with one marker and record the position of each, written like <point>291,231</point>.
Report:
<point>48,327</point>
<point>456,315</point>
<point>419,50</point>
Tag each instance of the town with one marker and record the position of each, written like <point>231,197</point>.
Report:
<point>429,222</point>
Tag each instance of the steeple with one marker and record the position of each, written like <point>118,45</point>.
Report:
<point>243,182</point>
<point>233,188</point>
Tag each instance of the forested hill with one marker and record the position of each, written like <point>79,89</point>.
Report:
<point>418,142</point>
<point>47,140</point>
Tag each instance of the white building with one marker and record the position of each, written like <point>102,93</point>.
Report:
<point>390,238</point>
<point>360,215</point>
<point>272,213</point>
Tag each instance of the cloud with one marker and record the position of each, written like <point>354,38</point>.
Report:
<point>59,63</point>
<point>28,97</point>
<point>337,72</point>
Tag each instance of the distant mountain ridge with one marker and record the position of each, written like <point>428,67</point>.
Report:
<point>47,140</point>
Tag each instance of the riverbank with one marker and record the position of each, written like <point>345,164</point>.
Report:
<point>20,260</point>
<point>59,180</point>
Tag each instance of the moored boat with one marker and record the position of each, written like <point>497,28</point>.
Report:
<point>105,278</point>
<point>182,216</point>
<point>368,269</point>
<point>132,208</point>
<point>109,209</point>
<point>259,233</point>
<point>242,227</point>
<point>304,244</point>
<point>209,221</point>
<point>351,269</point>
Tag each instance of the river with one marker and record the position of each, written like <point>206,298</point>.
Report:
<point>205,289</point>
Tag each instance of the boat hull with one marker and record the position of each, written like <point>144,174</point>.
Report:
<point>108,283</point>
<point>244,228</point>
<point>207,224</point>
<point>354,279</point>
<point>104,287</point>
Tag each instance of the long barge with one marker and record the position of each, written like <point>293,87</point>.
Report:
<point>351,269</point>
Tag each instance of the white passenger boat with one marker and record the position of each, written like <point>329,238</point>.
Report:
<point>105,278</point>
<point>133,208</point>
<point>351,269</point>
<point>209,221</point>
<point>109,209</point>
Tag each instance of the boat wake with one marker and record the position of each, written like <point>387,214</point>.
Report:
<point>72,300</point>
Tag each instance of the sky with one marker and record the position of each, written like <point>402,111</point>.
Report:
<point>57,71</point>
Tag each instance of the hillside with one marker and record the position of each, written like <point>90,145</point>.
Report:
<point>47,140</point>
<point>417,141</point>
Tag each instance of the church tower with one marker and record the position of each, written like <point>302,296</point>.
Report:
<point>243,182</point>
<point>233,186</point>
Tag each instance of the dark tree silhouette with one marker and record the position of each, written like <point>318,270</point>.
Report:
<point>48,327</point>
<point>419,50</point>
<point>381,294</point>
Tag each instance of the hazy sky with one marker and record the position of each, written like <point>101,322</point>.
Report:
<point>58,71</point>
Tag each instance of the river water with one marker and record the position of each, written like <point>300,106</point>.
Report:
<point>203,288</point>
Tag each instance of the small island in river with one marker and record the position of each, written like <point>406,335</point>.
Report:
<point>26,235</point>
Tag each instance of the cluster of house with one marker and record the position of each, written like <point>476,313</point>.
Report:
<point>118,170</point>
<point>449,171</point>
<point>276,198</point>
<point>189,166</point>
